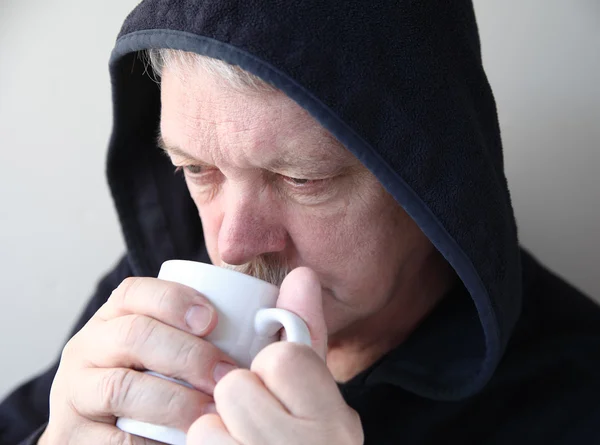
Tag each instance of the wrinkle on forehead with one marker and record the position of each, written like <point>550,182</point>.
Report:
<point>219,125</point>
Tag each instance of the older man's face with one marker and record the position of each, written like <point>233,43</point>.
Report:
<point>268,179</point>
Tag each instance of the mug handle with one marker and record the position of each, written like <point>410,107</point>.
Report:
<point>268,321</point>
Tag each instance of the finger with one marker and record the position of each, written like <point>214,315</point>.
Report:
<point>140,342</point>
<point>250,412</point>
<point>301,294</point>
<point>171,303</point>
<point>209,430</point>
<point>299,379</point>
<point>102,394</point>
<point>102,433</point>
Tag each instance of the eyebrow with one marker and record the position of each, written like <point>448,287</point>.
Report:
<point>334,162</point>
<point>330,163</point>
<point>172,150</point>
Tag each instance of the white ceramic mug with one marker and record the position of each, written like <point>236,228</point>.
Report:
<point>247,323</point>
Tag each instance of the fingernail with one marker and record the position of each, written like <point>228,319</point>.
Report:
<point>198,318</point>
<point>222,369</point>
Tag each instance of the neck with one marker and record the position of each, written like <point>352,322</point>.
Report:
<point>364,342</point>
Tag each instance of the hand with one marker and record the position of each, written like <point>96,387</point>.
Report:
<point>143,325</point>
<point>288,396</point>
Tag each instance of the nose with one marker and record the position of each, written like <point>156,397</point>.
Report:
<point>249,228</point>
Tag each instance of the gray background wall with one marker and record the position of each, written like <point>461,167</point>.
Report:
<point>542,58</point>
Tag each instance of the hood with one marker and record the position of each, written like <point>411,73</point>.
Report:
<point>400,84</point>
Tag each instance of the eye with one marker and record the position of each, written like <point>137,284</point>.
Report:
<point>193,169</point>
<point>302,182</point>
<point>308,191</point>
<point>297,181</point>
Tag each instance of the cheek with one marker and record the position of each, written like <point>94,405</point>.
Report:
<point>353,249</point>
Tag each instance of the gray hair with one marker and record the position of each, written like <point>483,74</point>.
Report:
<point>186,63</point>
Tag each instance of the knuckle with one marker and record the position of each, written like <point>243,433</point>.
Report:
<point>69,349</point>
<point>182,409</point>
<point>118,437</point>
<point>165,295</point>
<point>175,400</point>
<point>78,345</point>
<point>135,330</point>
<point>198,355</point>
<point>119,295</point>
<point>115,387</point>
<point>189,355</point>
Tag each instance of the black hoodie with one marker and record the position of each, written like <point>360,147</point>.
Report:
<point>513,354</point>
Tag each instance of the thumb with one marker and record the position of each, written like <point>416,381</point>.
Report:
<point>300,293</point>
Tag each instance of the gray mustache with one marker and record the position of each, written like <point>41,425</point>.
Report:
<point>270,268</point>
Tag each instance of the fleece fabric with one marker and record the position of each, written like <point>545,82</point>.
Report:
<point>512,354</point>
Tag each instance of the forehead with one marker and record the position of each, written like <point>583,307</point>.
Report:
<point>205,117</point>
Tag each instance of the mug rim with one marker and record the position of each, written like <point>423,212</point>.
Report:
<point>221,270</point>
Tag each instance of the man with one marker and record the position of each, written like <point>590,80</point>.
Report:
<point>356,144</point>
